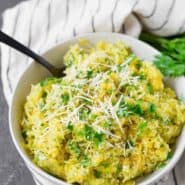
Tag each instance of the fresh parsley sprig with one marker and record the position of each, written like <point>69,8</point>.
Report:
<point>171,61</point>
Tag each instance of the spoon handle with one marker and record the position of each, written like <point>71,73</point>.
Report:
<point>20,47</point>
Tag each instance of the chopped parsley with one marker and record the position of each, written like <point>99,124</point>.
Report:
<point>89,133</point>
<point>129,109</point>
<point>74,147</point>
<point>24,134</point>
<point>107,124</point>
<point>89,74</point>
<point>86,161</point>
<point>152,108</point>
<point>150,88</point>
<point>92,135</point>
<point>97,173</point>
<point>170,155</point>
<point>136,109</point>
<point>119,168</point>
<point>139,64</point>
<point>49,80</point>
<point>171,59</point>
<point>44,94</point>
<point>84,113</point>
<point>65,98</point>
<point>142,76</point>
<point>142,126</point>
<point>98,138</point>
<point>70,126</point>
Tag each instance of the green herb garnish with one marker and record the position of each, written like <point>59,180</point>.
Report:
<point>171,61</point>
<point>170,155</point>
<point>129,109</point>
<point>70,126</point>
<point>142,126</point>
<point>85,162</point>
<point>152,108</point>
<point>92,135</point>
<point>136,109</point>
<point>74,147</point>
<point>49,80</point>
<point>119,168</point>
<point>24,134</point>
<point>84,113</point>
<point>97,173</point>
<point>65,98</point>
<point>89,74</point>
<point>150,88</point>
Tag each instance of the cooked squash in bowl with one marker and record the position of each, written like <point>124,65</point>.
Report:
<point>108,121</point>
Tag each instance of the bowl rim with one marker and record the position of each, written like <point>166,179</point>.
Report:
<point>34,168</point>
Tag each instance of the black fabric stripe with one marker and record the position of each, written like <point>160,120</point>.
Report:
<point>10,50</point>
<point>74,32</point>
<point>174,177</point>
<point>93,17</point>
<point>167,18</point>
<point>134,5</point>
<point>67,12</point>
<point>123,28</point>
<point>82,13</point>
<point>84,8</point>
<point>31,23</point>
<point>30,26</point>
<point>112,15</point>
<point>181,27</point>
<point>49,17</point>
<point>48,24</point>
<point>66,19</point>
<point>152,12</point>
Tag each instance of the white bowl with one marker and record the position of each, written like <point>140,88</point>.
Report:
<point>35,73</point>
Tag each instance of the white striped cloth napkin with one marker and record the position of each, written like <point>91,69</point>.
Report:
<point>41,24</point>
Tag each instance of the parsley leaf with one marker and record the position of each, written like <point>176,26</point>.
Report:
<point>136,109</point>
<point>170,155</point>
<point>126,109</point>
<point>152,108</point>
<point>92,135</point>
<point>97,173</point>
<point>86,161</point>
<point>89,74</point>
<point>171,61</point>
<point>142,126</point>
<point>74,147</point>
<point>70,126</point>
<point>65,98</point>
<point>84,113</point>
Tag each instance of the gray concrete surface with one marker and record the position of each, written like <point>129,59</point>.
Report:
<point>12,168</point>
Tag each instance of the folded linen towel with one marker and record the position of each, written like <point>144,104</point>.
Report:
<point>43,24</point>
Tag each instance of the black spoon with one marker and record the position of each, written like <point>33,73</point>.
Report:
<point>57,72</point>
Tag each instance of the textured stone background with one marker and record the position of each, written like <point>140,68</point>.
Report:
<point>12,168</point>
